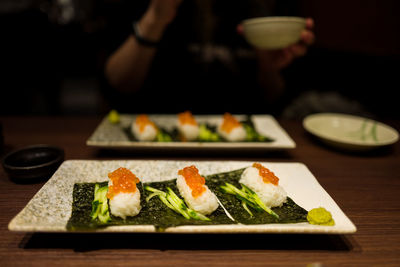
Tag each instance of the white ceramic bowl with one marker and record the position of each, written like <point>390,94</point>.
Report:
<point>273,32</point>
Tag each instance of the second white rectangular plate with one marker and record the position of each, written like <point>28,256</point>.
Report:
<point>109,135</point>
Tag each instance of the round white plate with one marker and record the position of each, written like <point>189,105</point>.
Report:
<point>350,132</point>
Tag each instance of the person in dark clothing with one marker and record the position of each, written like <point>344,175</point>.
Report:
<point>175,55</point>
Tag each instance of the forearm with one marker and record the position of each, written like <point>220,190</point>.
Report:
<point>269,78</point>
<point>127,68</point>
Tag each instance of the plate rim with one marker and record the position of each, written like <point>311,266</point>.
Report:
<point>320,135</point>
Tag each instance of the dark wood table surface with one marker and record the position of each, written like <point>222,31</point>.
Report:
<point>366,187</point>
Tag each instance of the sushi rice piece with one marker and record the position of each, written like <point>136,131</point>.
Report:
<point>231,129</point>
<point>197,195</point>
<point>188,126</point>
<point>123,195</point>
<point>265,184</point>
<point>144,129</point>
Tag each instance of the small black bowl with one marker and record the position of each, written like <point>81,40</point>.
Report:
<point>32,163</point>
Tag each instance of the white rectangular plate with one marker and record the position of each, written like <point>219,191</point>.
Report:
<point>109,135</point>
<point>50,209</point>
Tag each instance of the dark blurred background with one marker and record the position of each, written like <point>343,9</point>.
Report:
<point>52,55</point>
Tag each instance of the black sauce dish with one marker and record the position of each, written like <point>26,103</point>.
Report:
<point>33,163</point>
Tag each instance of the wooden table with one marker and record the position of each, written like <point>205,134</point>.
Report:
<point>366,187</point>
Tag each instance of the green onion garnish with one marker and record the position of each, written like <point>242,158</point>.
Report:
<point>100,204</point>
<point>248,198</point>
<point>172,201</point>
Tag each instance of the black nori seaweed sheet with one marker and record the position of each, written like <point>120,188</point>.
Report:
<point>83,195</point>
<point>290,212</point>
<point>156,213</point>
<point>153,212</point>
<point>175,219</point>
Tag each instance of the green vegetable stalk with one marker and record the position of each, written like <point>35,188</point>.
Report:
<point>248,198</point>
<point>253,136</point>
<point>162,136</point>
<point>172,201</point>
<point>207,135</point>
<point>100,204</point>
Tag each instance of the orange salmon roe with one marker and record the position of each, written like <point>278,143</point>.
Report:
<point>267,175</point>
<point>142,121</point>
<point>194,180</point>
<point>229,123</point>
<point>123,181</point>
<point>186,118</point>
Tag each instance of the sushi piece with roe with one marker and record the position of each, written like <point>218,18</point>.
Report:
<point>123,194</point>
<point>144,129</point>
<point>197,195</point>
<point>231,129</point>
<point>265,184</point>
<point>188,126</point>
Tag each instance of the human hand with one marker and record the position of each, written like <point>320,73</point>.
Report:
<point>157,17</point>
<point>279,59</point>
